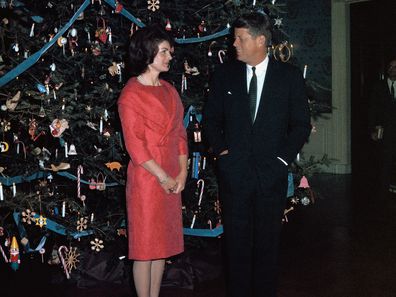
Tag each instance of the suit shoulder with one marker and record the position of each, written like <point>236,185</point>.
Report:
<point>286,67</point>
<point>229,67</point>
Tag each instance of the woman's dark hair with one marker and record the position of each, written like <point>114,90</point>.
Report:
<point>258,23</point>
<point>143,47</point>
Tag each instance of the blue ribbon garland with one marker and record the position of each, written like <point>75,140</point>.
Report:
<point>204,232</point>
<point>30,61</point>
<point>290,185</point>
<point>191,110</point>
<point>22,234</point>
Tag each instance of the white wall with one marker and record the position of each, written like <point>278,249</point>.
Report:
<point>333,136</point>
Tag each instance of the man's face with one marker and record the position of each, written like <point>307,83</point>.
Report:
<point>249,49</point>
<point>392,70</point>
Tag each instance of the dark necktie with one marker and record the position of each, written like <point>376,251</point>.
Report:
<point>392,90</point>
<point>253,94</point>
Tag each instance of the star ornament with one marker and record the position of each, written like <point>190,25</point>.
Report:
<point>41,221</point>
<point>97,244</point>
<point>278,22</point>
<point>71,258</point>
<point>153,5</point>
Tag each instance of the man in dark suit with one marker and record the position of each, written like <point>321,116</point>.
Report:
<point>256,120</point>
<point>382,122</point>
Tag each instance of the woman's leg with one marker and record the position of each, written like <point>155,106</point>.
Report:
<point>142,277</point>
<point>157,270</point>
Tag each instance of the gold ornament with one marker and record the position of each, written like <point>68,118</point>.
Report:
<point>97,245</point>
<point>153,5</point>
<point>82,224</point>
<point>28,216</point>
<point>283,51</point>
<point>41,221</point>
<point>72,258</point>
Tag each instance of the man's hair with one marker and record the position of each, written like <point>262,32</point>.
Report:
<point>143,47</point>
<point>258,23</point>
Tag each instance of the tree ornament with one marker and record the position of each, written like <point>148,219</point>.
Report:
<point>96,50</point>
<point>97,245</point>
<point>304,183</point>
<point>5,126</point>
<point>113,69</point>
<point>168,26</point>
<point>202,27</point>
<point>72,258</point>
<point>101,33</point>
<point>15,47</point>
<point>118,7</point>
<point>113,166</point>
<point>72,150</point>
<point>32,31</point>
<point>283,51</point>
<point>4,146</point>
<point>14,254</point>
<point>41,221</point>
<point>54,258</point>
<point>278,22</point>
<point>62,256</point>
<point>58,126</point>
<point>28,216</point>
<point>102,11</point>
<point>82,224</point>
<point>73,32</point>
<point>190,70</point>
<point>32,128</point>
<point>42,251</point>
<point>153,5</point>
<point>221,55</point>
<point>61,41</point>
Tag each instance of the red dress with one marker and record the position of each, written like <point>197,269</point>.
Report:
<point>152,124</point>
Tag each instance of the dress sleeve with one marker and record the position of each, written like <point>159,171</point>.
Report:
<point>134,134</point>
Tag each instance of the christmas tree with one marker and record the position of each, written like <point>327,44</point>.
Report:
<point>63,162</point>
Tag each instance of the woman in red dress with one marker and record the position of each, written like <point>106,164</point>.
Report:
<point>151,115</point>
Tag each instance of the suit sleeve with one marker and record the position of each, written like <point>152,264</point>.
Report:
<point>299,120</point>
<point>134,134</point>
<point>213,115</point>
<point>376,106</point>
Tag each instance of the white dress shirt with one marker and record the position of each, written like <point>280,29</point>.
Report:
<point>390,85</point>
<point>261,71</point>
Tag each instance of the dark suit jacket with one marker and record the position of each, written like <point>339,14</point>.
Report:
<point>382,112</point>
<point>281,128</point>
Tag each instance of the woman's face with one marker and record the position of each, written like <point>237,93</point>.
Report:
<point>162,60</point>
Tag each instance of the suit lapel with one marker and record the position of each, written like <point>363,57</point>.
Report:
<point>239,86</point>
<point>270,78</point>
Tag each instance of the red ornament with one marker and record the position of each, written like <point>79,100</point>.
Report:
<point>168,26</point>
<point>118,7</point>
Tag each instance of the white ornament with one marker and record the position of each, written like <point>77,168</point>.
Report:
<point>97,244</point>
<point>73,32</point>
<point>153,5</point>
<point>278,22</point>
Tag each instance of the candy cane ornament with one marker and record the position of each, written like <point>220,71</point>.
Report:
<point>221,54</point>
<point>4,255</point>
<point>61,248</point>
<point>80,170</point>
<point>200,181</point>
